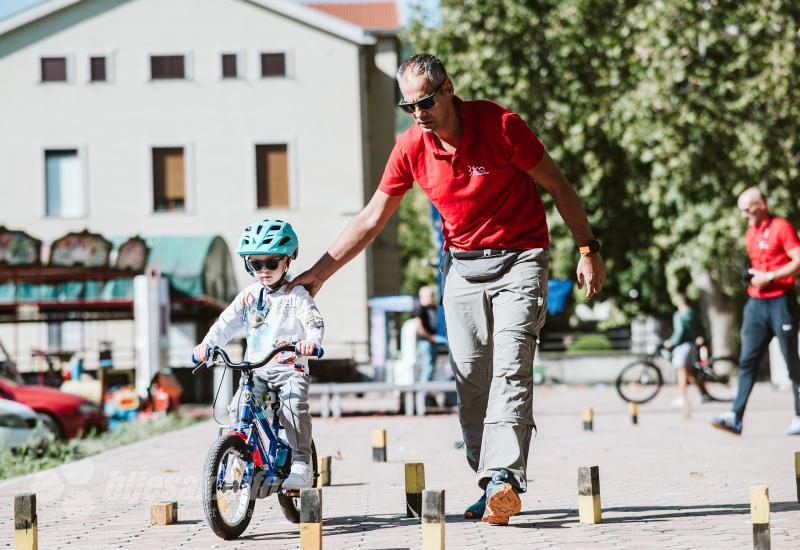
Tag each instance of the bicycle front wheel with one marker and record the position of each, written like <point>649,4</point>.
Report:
<point>639,382</point>
<point>227,500</point>
<point>720,378</point>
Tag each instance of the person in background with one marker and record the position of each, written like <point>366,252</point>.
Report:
<point>427,319</point>
<point>772,309</point>
<point>688,333</point>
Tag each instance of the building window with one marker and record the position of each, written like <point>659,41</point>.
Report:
<point>97,69</point>
<point>169,185</point>
<point>64,185</point>
<point>229,69</point>
<point>54,69</point>
<point>167,66</point>
<point>273,64</point>
<point>272,176</point>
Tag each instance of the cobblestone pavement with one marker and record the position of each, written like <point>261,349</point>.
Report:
<point>667,482</point>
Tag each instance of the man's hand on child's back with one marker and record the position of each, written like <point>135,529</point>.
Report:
<point>307,280</point>
<point>201,353</point>
<point>306,347</point>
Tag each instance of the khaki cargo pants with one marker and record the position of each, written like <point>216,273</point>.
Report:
<point>492,328</point>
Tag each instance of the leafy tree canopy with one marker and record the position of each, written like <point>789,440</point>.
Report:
<point>659,112</point>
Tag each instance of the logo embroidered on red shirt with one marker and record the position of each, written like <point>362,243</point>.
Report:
<point>477,170</point>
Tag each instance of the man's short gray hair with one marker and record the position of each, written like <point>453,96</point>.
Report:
<point>424,64</point>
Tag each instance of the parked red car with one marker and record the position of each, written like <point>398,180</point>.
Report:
<point>64,414</point>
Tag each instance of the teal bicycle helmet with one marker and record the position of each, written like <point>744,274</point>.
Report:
<point>268,237</point>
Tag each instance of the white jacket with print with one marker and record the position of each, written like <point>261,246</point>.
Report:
<point>269,321</point>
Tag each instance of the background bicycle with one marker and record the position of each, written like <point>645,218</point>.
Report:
<point>640,381</point>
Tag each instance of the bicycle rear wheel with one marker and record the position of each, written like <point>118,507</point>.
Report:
<point>639,382</point>
<point>720,378</point>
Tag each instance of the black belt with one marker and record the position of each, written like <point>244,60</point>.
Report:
<point>482,253</point>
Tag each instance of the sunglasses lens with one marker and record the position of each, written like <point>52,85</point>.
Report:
<point>258,265</point>
<point>426,103</point>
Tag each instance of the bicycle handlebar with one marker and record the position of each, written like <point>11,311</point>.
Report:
<point>216,351</point>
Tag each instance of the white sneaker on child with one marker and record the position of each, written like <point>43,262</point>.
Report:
<point>300,477</point>
<point>678,402</point>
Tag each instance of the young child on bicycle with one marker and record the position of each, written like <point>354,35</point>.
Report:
<point>271,317</point>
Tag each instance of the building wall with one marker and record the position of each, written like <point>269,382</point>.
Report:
<point>382,63</point>
<point>316,110</point>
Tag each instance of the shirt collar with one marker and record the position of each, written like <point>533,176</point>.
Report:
<point>463,110</point>
<point>764,223</point>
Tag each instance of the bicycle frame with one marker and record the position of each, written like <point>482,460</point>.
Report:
<point>252,426</point>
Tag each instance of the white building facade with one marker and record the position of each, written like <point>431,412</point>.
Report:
<point>196,117</point>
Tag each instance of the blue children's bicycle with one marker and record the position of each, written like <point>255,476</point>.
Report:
<point>239,467</point>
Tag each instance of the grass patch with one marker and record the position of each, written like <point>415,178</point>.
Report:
<point>589,343</point>
<point>59,452</point>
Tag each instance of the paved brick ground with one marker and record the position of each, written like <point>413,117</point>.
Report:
<point>666,483</point>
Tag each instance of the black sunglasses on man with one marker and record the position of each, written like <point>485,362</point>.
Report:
<point>423,103</point>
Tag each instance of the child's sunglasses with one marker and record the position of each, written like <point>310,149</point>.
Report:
<point>257,265</point>
<point>426,102</point>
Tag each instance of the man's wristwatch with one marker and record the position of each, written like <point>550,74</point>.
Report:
<point>591,247</point>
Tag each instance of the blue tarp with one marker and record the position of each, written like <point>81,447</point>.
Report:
<point>559,291</point>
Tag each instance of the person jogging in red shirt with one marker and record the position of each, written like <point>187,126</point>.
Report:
<point>479,164</point>
<point>772,309</point>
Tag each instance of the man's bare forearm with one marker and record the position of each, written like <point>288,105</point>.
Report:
<point>549,175</point>
<point>571,210</point>
<point>788,270</point>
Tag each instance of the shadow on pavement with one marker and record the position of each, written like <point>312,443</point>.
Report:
<point>643,514</point>
<point>342,525</point>
<point>556,518</point>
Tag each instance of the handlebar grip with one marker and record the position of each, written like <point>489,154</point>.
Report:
<point>318,352</point>
<point>195,361</point>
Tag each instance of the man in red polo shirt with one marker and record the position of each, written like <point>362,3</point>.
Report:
<point>772,309</point>
<point>479,164</point>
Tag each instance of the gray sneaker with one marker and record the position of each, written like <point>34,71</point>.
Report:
<point>794,427</point>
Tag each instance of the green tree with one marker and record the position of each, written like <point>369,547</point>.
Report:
<point>659,112</point>
<point>418,256</point>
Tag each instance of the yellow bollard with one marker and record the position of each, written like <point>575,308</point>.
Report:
<point>589,510</point>
<point>797,473</point>
<point>433,520</point>
<point>164,513</point>
<point>588,420</point>
<point>26,531</point>
<point>415,484</point>
<point>311,519</point>
<point>324,470</point>
<point>759,513</point>
<point>378,445</point>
